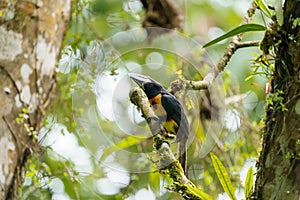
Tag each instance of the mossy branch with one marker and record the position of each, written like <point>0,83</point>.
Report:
<point>168,164</point>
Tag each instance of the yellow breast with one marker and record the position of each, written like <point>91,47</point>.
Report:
<point>171,126</point>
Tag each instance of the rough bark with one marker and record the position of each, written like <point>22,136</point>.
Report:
<point>31,34</point>
<point>278,174</point>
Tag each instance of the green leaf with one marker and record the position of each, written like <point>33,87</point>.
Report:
<point>154,180</point>
<point>264,7</point>
<point>199,193</point>
<point>249,77</point>
<point>127,142</point>
<point>30,174</point>
<point>223,176</point>
<point>249,182</point>
<point>240,29</point>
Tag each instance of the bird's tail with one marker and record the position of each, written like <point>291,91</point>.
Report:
<point>183,155</point>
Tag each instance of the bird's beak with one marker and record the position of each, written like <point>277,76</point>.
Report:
<point>140,79</point>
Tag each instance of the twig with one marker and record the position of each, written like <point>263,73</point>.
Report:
<point>247,44</point>
<point>179,84</point>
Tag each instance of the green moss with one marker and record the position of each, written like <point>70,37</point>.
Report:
<point>296,22</point>
<point>289,155</point>
<point>268,41</point>
<point>275,101</point>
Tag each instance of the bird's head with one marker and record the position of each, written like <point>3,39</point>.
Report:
<point>149,85</point>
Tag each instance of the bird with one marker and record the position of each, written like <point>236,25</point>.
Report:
<point>169,111</point>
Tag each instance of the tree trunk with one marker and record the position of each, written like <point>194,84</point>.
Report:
<point>31,34</point>
<point>278,175</point>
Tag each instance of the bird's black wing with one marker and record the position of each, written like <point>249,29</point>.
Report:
<point>175,111</point>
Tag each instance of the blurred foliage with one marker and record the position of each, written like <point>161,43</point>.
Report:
<point>56,175</point>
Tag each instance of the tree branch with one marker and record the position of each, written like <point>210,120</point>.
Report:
<point>233,45</point>
<point>168,164</point>
<point>247,44</point>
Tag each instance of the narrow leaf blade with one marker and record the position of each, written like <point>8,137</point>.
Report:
<point>263,6</point>
<point>200,193</point>
<point>249,77</point>
<point>240,29</point>
<point>223,176</point>
<point>249,182</point>
<point>154,180</point>
<point>127,142</point>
